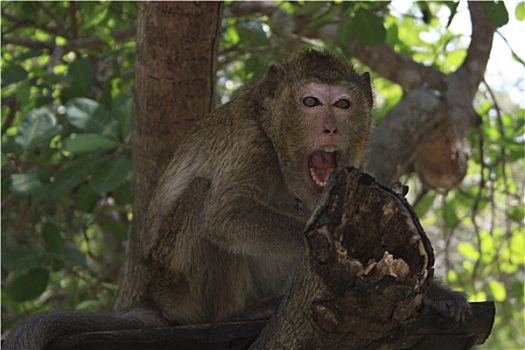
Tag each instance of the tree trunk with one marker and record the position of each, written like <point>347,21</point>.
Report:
<point>174,85</point>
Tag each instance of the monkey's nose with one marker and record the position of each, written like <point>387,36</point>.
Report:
<point>329,124</point>
<point>330,130</point>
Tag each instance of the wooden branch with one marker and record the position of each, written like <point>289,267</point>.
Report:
<point>473,67</point>
<point>241,335</point>
<point>396,139</point>
<point>359,286</point>
<point>91,43</point>
<point>400,68</point>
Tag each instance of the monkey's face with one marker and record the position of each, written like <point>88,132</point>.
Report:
<point>328,129</point>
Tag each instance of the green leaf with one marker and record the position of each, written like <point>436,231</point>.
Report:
<point>424,205</point>
<point>517,289</point>
<point>36,129</point>
<point>52,238</point>
<point>122,193</point>
<point>517,247</point>
<point>496,12</point>
<point>29,285</point>
<point>13,74</point>
<point>468,251</point>
<point>453,6</point>
<point>392,35</point>
<point>30,54</point>
<point>97,17</point>
<point>111,174</point>
<point>231,35</point>
<point>81,74</point>
<point>451,209</point>
<point>369,28</point>
<point>425,11</point>
<point>87,143</point>
<point>251,32</point>
<point>345,32</point>
<point>86,199</point>
<point>75,256</point>
<point>74,174</point>
<point>88,115</point>
<point>498,290</point>
<point>24,184</point>
<point>23,93</point>
<point>21,259</point>
<point>122,110</point>
<point>520,11</point>
<point>115,227</point>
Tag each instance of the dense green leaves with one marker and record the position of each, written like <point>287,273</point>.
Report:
<point>66,125</point>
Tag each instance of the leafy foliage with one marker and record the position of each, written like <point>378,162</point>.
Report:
<point>66,163</point>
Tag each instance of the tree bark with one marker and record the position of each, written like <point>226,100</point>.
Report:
<point>174,85</point>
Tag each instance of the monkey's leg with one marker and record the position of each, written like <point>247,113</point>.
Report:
<point>173,251</point>
<point>259,311</point>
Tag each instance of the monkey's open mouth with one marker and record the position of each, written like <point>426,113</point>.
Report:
<point>322,163</point>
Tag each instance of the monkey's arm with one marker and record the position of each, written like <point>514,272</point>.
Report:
<point>247,225</point>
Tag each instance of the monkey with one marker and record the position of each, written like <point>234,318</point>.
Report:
<point>223,234</point>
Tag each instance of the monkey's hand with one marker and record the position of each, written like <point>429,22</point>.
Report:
<point>451,307</point>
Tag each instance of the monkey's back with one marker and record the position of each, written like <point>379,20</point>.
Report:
<point>200,280</point>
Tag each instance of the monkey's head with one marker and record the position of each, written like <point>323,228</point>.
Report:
<point>317,112</point>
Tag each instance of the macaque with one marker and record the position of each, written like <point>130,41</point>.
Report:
<point>223,234</point>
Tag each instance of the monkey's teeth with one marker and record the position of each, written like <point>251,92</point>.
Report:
<point>329,149</point>
<point>316,180</point>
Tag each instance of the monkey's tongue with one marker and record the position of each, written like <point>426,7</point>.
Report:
<point>321,166</point>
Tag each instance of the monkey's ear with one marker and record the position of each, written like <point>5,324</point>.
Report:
<point>366,85</point>
<point>271,81</point>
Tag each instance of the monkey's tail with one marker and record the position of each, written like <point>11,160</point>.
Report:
<point>36,332</point>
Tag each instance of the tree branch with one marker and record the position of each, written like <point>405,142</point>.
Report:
<point>473,68</point>
<point>395,140</point>
<point>91,43</point>
<point>400,69</point>
<point>29,43</point>
<point>17,23</point>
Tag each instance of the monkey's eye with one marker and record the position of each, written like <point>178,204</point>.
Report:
<point>343,104</point>
<point>311,102</point>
